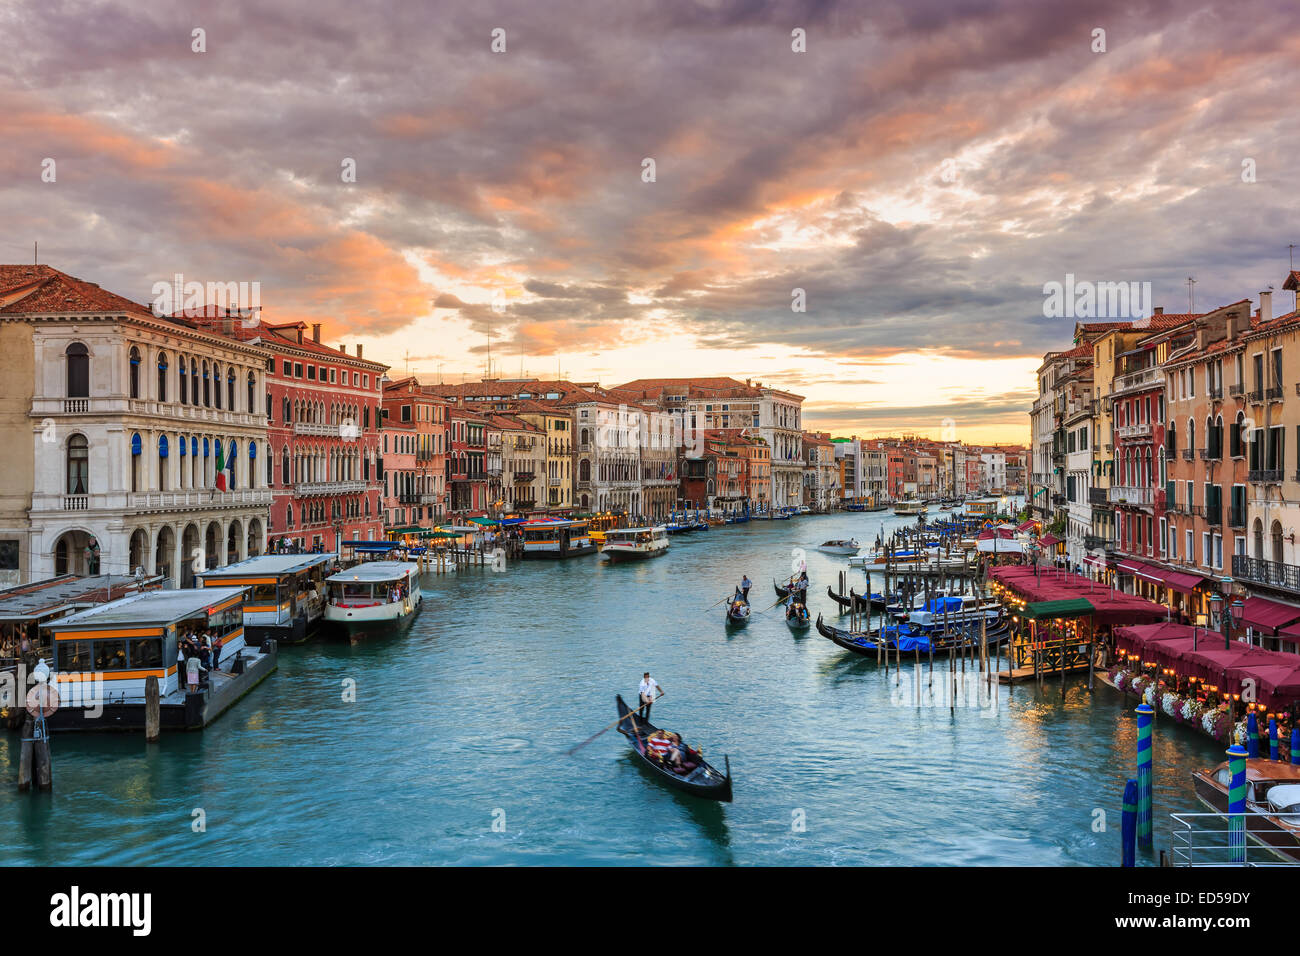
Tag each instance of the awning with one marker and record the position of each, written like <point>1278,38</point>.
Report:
<point>1069,607</point>
<point>1048,540</point>
<point>1095,560</point>
<point>1267,615</point>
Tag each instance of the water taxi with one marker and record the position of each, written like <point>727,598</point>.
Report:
<point>909,509</point>
<point>840,546</point>
<point>374,597</point>
<point>634,544</point>
<point>287,601</point>
<point>1272,802</point>
<point>556,538</point>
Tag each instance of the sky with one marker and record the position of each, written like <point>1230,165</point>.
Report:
<point>915,175</point>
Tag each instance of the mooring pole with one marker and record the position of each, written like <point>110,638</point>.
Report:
<point>1144,715</point>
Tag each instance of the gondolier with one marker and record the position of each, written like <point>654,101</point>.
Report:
<point>745,585</point>
<point>649,691</point>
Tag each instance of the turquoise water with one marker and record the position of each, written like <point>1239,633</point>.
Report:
<point>462,723</point>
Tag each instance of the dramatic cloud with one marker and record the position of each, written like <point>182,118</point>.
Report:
<point>919,173</point>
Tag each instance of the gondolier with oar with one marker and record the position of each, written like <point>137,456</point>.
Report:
<point>650,691</point>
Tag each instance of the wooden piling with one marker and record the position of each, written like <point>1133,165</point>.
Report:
<point>152,709</point>
<point>41,763</point>
<point>25,755</point>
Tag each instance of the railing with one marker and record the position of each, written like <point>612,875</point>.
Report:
<point>1188,454</point>
<point>554,482</point>
<point>1217,839</point>
<point>1096,542</point>
<point>76,502</point>
<point>1129,380</point>
<point>1130,495</point>
<point>1275,393</point>
<point>1237,389</point>
<point>1098,496</point>
<point>1267,476</point>
<point>317,428</point>
<point>309,488</point>
<point>1216,393</point>
<point>1214,516</point>
<point>408,499</point>
<point>1256,395</point>
<point>1194,510</point>
<point>198,498</point>
<point>76,406</point>
<point>1133,431</point>
<point>1259,571</point>
<point>524,475</point>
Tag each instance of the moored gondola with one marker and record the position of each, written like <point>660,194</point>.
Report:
<point>856,602</point>
<point>912,641</point>
<point>697,778</point>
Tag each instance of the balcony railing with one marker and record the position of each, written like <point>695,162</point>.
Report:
<point>1098,496</point>
<point>1133,431</point>
<point>1256,395</point>
<point>1196,510</point>
<point>1216,393</point>
<point>1264,476</point>
<point>202,498</point>
<point>1275,393</point>
<point>1188,454</point>
<point>1272,573</point>
<point>1237,389</point>
<point>1096,542</point>
<point>1214,516</point>
<point>1130,495</point>
<point>1143,376</point>
<point>311,488</point>
<point>317,428</point>
<point>524,475</point>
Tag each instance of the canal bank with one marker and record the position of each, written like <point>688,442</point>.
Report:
<point>446,745</point>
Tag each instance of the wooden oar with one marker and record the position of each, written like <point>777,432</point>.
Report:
<point>712,606</point>
<point>663,693</point>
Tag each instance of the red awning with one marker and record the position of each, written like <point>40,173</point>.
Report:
<point>1048,540</point>
<point>1268,615</point>
<point>1180,581</point>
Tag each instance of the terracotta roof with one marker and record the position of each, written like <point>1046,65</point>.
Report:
<point>27,290</point>
<point>1292,282</point>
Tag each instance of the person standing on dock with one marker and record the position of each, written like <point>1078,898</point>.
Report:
<point>649,691</point>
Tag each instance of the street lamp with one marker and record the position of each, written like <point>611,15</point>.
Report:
<point>1234,618</point>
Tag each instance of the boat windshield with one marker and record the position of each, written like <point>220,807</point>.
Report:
<point>349,591</point>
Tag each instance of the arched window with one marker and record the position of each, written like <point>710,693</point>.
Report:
<point>288,516</point>
<point>252,397</point>
<point>230,391</point>
<point>270,468</point>
<point>78,357</point>
<point>78,464</point>
<point>216,385</point>
<point>163,449</point>
<point>284,466</point>
<point>207,386</point>
<point>232,462</point>
<point>182,379</point>
<point>135,372</point>
<point>284,409</point>
<point>1191,436</point>
<point>135,461</point>
<point>162,376</point>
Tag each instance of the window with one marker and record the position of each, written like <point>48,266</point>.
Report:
<point>287,369</point>
<point>78,357</point>
<point>297,370</point>
<point>311,373</point>
<point>78,465</point>
<point>8,555</point>
<point>252,401</point>
<point>135,372</point>
<point>230,391</point>
<point>162,376</point>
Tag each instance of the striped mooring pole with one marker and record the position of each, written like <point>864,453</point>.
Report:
<point>1237,803</point>
<point>1129,825</point>
<point>1144,836</point>
<point>1252,736</point>
<point>1295,744</point>
<point>1272,737</point>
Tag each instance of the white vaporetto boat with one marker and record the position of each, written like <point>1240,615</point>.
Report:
<point>373,597</point>
<point>840,546</point>
<point>634,544</point>
<point>909,509</point>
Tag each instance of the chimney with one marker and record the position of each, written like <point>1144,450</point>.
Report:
<point>299,335</point>
<point>1158,310</point>
<point>1230,326</point>
<point>358,350</point>
<point>315,332</point>
<point>1266,305</point>
<point>343,348</point>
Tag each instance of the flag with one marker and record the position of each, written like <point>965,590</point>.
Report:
<point>221,468</point>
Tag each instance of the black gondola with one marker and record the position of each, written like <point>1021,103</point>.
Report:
<point>857,602</point>
<point>701,780</point>
<point>865,642</point>
<point>797,616</point>
<point>785,592</point>
<point>737,611</point>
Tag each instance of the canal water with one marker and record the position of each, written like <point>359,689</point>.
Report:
<point>453,751</point>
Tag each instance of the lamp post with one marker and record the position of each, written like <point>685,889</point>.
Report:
<point>1233,618</point>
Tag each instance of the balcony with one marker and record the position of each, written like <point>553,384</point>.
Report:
<point>1188,454</point>
<point>1098,496</point>
<point>1216,393</point>
<point>309,489</point>
<point>1264,476</point>
<point>1132,380</point>
<point>1256,396</point>
<point>1197,511</point>
<point>524,476</point>
<point>1096,542</point>
<point>1271,573</point>
<point>1133,431</point>
<point>1274,394</point>
<point>555,482</point>
<point>1236,390</point>
<point>320,429</point>
<point>1214,516</point>
<point>1130,495</point>
<point>197,499</point>
<point>408,499</point>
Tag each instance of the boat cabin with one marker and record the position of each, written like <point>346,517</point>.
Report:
<point>373,583</point>
<point>287,592</point>
<point>124,642</point>
<point>556,538</point>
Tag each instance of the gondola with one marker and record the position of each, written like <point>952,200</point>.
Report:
<point>737,611</point>
<point>785,592</point>
<point>797,616</point>
<point>865,642</point>
<point>701,780</point>
<point>857,602</point>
